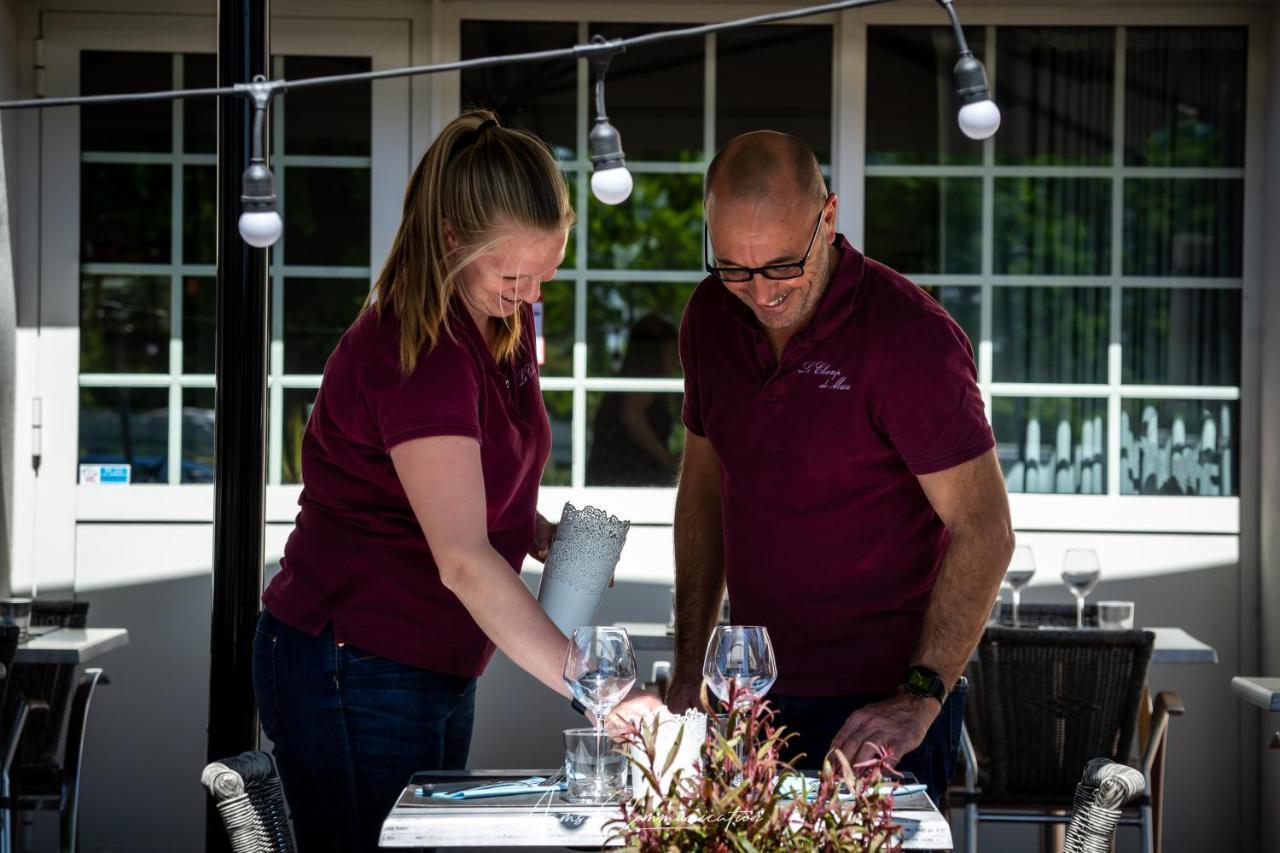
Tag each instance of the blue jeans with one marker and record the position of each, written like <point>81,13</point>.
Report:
<point>349,729</point>
<point>817,719</point>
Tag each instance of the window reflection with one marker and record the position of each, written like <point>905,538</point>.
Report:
<point>1049,445</point>
<point>126,426</point>
<point>634,438</point>
<point>1178,447</point>
<point>559,468</point>
<point>618,310</point>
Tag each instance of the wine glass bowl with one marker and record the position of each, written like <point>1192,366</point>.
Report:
<point>1081,570</point>
<point>740,655</point>
<point>600,669</point>
<point>1022,567</point>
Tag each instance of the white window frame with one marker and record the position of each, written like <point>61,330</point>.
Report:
<point>387,42</point>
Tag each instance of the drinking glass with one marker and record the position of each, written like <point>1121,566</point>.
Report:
<point>600,669</point>
<point>595,768</point>
<point>1115,615</point>
<point>741,654</point>
<point>1080,572</point>
<point>1021,567</point>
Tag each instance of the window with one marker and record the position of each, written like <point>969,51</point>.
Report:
<point>147,206</point>
<point>611,374</point>
<point>1091,250</point>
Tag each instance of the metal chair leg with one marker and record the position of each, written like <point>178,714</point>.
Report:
<point>971,828</point>
<point>1148,833</point>
<point>69,813</point>
<point>6,762</point>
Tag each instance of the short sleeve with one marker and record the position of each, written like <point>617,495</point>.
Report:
<point>929,403</point>
<point>691,410</point>
<point>440,397</point>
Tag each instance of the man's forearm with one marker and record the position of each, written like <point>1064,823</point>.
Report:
<point>699,547</point>
<point>961,600</point>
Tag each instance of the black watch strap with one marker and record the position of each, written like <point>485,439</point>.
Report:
<point>923,681</point>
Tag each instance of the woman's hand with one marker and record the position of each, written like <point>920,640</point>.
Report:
<point>543,532</point>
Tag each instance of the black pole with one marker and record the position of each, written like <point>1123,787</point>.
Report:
<point>239,408</point>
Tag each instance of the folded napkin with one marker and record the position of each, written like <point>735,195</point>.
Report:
<point>532,785</point>
<point>792,786</point>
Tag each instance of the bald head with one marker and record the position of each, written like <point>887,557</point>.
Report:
<point>766,166</point>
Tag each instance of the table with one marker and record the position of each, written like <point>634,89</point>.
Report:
<point>1263,692</point>
<point>69,645</point>
<point>536,821</point>
<point>1172,645</point>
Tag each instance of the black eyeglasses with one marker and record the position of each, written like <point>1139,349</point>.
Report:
<point>776,272</point>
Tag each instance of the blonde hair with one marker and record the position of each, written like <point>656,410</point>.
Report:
<point>483,178</point>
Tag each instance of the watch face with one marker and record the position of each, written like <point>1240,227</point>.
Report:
<point>919,681</point>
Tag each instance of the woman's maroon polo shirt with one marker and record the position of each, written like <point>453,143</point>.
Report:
<point>357,555</point>
<point>829,540</point>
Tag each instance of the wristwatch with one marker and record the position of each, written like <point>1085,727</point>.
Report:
<point>923,681</point>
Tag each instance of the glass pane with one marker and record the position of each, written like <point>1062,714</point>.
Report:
<point>199,321</point>
<point>126,426</point>
<point>316,313</point>
<point>200,115</point>
<point>925,225</point>
<point>326,219</point>
<point>1050,334</point>
<point>1052,226</point>
<point>1183,226</point>
<point>655,95</point>
<point>557,328</point>
<point>1055,90</point>
<point>632,329</point>
<point>964,304</point>
<point>145,126</point>
<point>200,214</point>
<point>125,213</point>
<point>660,226</point>
<point>298,403</point>
<point>1051,445</point>
<point>124,324</point>
<point>571,246</point>
<point>198,447</point>
<point>559,470</point>
<point>327,119</point>
<point>775,78</point>
<point>1184,96</point>
<point>1181,337</point>
<point>1179,447</point>
<point>911,104</point>
<point>541,97</point>
<point>634,438</point>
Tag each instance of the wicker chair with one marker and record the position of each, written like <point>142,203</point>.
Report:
<point>1103,792</point>
<point>1042,704</point>
<point>247,793</point>
<point>9,638</point>
<point>54,702</point>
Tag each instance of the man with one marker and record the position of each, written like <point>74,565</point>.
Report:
<point>839,472</point>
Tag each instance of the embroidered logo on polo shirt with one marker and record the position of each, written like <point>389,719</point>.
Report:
<point>832,379</point>
<point>525,374</point>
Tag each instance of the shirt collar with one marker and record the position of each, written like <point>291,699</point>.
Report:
<point>837,303</point>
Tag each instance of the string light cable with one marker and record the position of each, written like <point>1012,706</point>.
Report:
<point>260,223</point>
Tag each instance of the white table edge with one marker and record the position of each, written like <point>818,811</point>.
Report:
<point>1258,691</point>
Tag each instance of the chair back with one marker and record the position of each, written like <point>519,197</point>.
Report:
<point>247,793</point>
<point>10,635</point>
<point>1042,703</point>
<point>1104,790</point>
<point>63,613</point>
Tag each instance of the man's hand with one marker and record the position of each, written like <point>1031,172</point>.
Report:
<point>683,695</point>
<point>543,532</point>
<point>897,724</point>
<point>633,708</point>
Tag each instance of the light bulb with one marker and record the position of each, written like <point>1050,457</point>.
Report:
<point>260,228</point>
<point>980,119</point>
<point>611,186</point>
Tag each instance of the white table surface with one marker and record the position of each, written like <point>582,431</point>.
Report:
<point>534,821</point>
<point>70,645</point>
<point>1172,645</point>
<point>1263,692</point>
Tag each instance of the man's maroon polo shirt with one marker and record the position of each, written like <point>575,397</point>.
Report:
<point>829,540</point>
<point>357,555</point>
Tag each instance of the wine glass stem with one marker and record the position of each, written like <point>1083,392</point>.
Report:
<point>1017,594</point>
<point>1079,609</point>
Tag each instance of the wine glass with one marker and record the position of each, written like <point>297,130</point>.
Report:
<point>600,669</point>
<point>740,654</point>
<point>1021,567</point>
<point>1080,572</point>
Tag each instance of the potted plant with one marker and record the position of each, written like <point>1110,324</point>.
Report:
<point>742,798</point>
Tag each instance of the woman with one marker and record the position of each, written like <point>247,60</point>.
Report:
<point>420,468</point>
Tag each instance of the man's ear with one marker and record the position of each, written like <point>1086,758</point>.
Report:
<point>450,237</point>
<point>829,216</point>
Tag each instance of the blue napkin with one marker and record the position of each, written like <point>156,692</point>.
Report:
<point>532,785</point>
<point>790,787</point>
